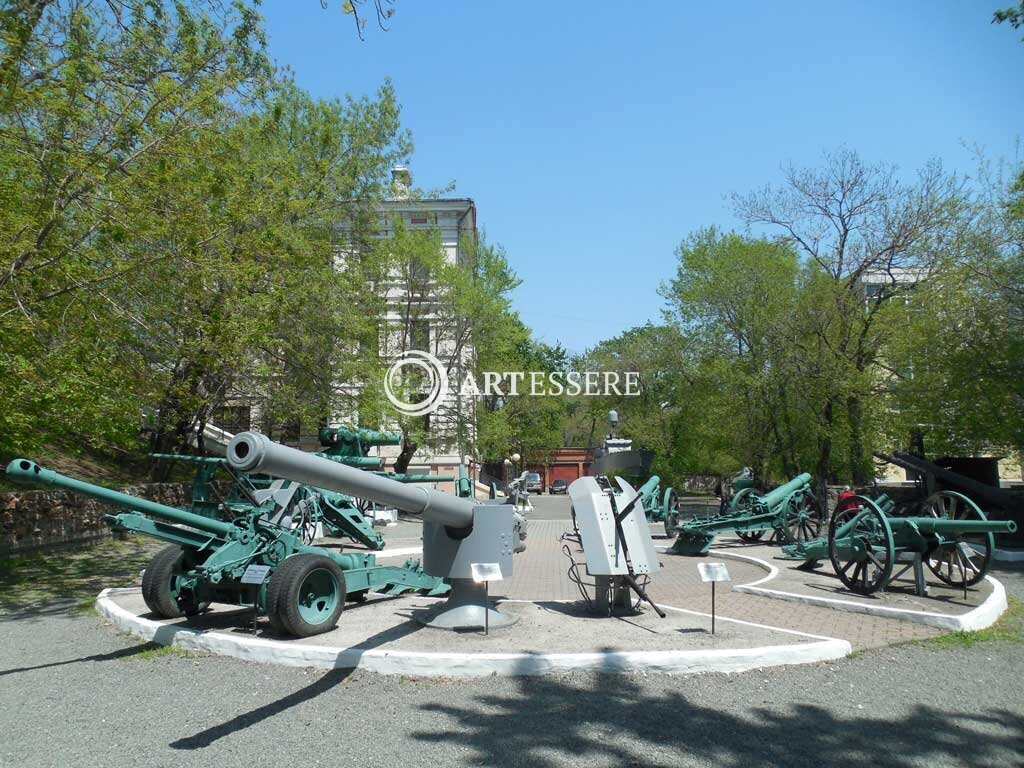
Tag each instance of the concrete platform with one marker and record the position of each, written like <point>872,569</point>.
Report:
<point>944,607</point>
<point>554,632</point>
<point>381,635</point>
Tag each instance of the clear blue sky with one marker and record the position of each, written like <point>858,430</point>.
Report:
<point>594,136</point>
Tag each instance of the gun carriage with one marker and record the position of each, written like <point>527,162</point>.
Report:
<point>305,587</point>
<point>789,511</point>
<point>867,539</point>
<point>303,508</point>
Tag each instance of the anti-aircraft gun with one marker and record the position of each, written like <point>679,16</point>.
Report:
<point>302,508</point>
<point>459,535</point>
<point>301,588</point>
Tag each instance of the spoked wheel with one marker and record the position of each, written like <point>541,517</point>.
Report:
<point>161,585</point>
<point>860,546</point>
<point>803,519</point>
<point>742,501</point>
<point>964,560</point>
<point>671,523</point>
<point>669,502</point>
<point>306,595</point>
<point>363,505</point>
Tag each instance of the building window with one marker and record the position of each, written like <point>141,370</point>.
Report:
<point>419,335</point>
<point>233,418</point>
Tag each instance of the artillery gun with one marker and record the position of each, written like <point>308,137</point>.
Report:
<point>459,535</point>
<point>660,506</point>
<point>866,540</point>
<point>301,588</point>
<point>790,511</point>
<point>302,508</point>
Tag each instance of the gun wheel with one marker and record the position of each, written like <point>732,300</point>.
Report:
<point>803,519</point>
<point>741,501</point>
<point>864,561</point>
<point>160,585</point>
<point>306,595</point>
<point>964,560</point>
<point>671,523</point>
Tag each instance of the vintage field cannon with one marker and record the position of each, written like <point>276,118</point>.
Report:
<point>251,560</point>
<point>660,506</point>
<point>459,534</point>
<point>866,541</point>
<point>789,510</point>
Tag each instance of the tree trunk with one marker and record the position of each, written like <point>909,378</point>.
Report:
<point>859,466</point>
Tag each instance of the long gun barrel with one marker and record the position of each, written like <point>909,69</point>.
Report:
<point>366,437</point>
<point>952,480</point>
<point>253,452</point>
<point>648,489</point>
<point>944,527</point>
<point>25,471</point>
<point>774,498</point>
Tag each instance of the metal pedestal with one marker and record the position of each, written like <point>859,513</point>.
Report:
<point>467,607</point>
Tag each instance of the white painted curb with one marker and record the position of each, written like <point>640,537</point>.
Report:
<point>985,615</point>
<point>464,664</point>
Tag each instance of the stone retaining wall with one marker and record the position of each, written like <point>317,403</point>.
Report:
<point>35,519</point>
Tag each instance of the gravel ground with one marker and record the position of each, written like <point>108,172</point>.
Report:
<point>74,692</point>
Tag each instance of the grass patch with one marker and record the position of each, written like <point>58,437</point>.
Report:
<point>158,652</point>
<point>1009,629</point>
<point>72,574</point>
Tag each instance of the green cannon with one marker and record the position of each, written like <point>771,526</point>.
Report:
<point>659,506</point>
<point>252,560</point>
<point>866,541</point>
<point>789,511</point>
<point>307,510</point>
<point>342,441</point>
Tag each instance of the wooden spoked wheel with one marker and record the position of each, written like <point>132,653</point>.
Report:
<point>741,503</point>
<point>803,519</point>
<point>860,546</point>
<point>964,559</point>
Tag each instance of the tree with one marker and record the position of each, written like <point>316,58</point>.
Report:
<point>958,356</point>
<point>852,222</point>
<point>168,225</point>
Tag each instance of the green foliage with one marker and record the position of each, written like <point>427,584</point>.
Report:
<point>167,213</point>
<point>884,313</point>
<point>1012,15</point>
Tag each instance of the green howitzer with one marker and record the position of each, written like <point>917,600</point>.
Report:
<point>659,506</point>
<point>302,508</point>
<point>866,541</point>
<point>301,588</point>
<point>341,441</point>
<point>789,511</point>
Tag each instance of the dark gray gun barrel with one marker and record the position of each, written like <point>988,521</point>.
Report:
<point>253,452</point>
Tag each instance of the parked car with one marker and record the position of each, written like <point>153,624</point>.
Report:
<point>534,483</point>
<point>558,486</point>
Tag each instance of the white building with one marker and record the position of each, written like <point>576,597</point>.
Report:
<point>414,319</point>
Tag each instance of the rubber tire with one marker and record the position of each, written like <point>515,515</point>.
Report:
<point>156,580</point>
<point>283,594</point>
